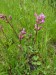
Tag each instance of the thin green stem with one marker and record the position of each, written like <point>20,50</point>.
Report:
<point>11,27</point>
<point>4,35</point>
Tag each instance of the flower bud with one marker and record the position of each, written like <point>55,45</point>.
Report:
<point>21,36</point>
<point>23,31</point>
<point>37,27</point>
<point>2,16</point>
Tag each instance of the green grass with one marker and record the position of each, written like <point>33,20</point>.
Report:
<point>22,12</point>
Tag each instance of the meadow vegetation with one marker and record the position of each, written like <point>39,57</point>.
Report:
<point>27,37</point>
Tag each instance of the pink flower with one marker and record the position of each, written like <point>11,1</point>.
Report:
<point>23,31</point>
<point>40,19</point>
<point>42,16</point>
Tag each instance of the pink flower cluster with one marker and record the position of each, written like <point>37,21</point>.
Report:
<point>40,18</point>
<point>22,33</point>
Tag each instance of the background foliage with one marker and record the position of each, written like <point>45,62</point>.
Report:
<point>14,61</point>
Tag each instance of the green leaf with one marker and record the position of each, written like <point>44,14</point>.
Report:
<point>35,58</point>
<point>36,63</point>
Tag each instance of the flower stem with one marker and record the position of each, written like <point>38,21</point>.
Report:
<point>4,35</point>
<point>20,41</point>
<point>11,27</point>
